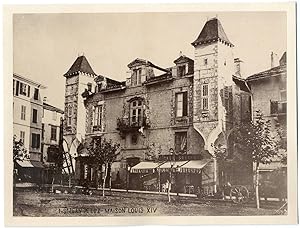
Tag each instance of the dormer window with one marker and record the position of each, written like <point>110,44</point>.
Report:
<point>181,70</point>
<point>136,77</point>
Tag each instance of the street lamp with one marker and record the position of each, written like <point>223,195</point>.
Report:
<point>172,163</point>
<point>128,176</point>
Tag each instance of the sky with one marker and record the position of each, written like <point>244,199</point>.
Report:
<point>46,45</point>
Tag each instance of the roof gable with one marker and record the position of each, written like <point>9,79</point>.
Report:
<point>81,64</point>
<point>138,62</point>
<point>211,32</point>
<point>183,59</point>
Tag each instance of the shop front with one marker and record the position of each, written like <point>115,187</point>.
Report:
<point>29,171</point>
<point>185,175</point>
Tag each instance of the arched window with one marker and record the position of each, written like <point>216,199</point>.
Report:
<point>136,112</point>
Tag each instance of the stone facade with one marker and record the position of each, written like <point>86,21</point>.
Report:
<point>186,108</point>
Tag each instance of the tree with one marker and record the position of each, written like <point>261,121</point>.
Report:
<point>102,153</point>
<point>19,154</point>
<point>19,151</point>
<point>254,143</point>
<point>255,138</point>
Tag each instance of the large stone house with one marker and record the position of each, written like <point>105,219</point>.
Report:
<point>167,123</point>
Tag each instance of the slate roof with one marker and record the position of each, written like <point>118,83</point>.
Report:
<point>81,64</point>
<point>212,31</point>
<point>52,108</point>
<point>241,83</point>
<point>275,71</point>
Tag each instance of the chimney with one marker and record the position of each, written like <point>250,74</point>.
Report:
<point>238,67</point>
<point>274,59</point>
<point>44,99</point>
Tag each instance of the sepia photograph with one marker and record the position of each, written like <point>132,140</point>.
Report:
<point>152,113</point>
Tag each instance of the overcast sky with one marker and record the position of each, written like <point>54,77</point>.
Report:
<point>46,45</point>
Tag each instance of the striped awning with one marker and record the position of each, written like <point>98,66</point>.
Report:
<point>145,167</point>
<point>167,166</point>
<point>194,166</point>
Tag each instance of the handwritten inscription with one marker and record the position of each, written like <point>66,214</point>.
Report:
<point>109,210</point>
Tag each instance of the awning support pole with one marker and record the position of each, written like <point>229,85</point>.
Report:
<point>158,181</point>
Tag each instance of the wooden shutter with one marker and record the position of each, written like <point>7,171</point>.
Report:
<point>28,94</point>
<point>38,141</point>
<point>185,104</point>
<point>17,88</point>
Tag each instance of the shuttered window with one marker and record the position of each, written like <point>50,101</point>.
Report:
<point>205,95</point>
<point>181,104</point>
<point>23,112</point>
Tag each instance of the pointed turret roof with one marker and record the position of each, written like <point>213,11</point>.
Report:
<point>211,32</point>
<point>81,64</point>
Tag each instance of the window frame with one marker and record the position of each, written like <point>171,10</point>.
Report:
<point>181,135</point>
<point>36,94</point>
<point>205,96</point>
<point>23,112</point>
<point>22,137</point>
<point>34,115</point>
<point>35,140</point>
<point>182,70</point>
<point>136,111</point>
<point>181,105</point>
<point>23,89</point>
<point>53,133</point>
<point>98,115</point>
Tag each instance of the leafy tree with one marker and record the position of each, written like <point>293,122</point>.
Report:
<point>255,143</point>
<point>19,151</point>
<point>255,138</point>
<point>282,144</point>
<point>102,153</point>
<point>19,154</point>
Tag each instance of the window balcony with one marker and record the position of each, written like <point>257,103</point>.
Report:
<point>97,128</point>
<point>131,124</point>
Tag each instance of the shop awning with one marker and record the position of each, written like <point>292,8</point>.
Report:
<point>194,166</point>
<point>145,167</point>
<point>30,164</point>
<point>25,164</point>
<point>37,164</point>
<point>171,164</point>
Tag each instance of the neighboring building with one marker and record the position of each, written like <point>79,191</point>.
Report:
<point>269,95</point>
<point>164,122</point>
<point>51,121</point>
<point>27,125</point>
